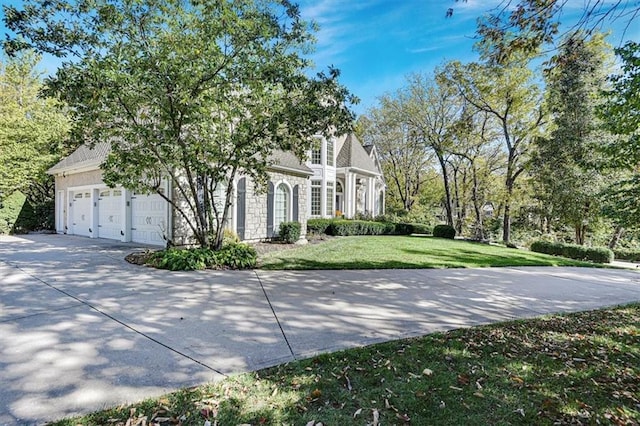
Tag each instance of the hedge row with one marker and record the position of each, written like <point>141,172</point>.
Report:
<point>573,251</point>
<point>627,254</point>
<point>344,227</point>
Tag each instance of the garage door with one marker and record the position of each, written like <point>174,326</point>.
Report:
<point>148,219</point>
<point>110,213</point>
<point>81,213</point>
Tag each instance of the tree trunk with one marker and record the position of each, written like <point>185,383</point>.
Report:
<point>447,190</point>
<point>506,221</point>
<point>615,238</point>
<point>479,231</point>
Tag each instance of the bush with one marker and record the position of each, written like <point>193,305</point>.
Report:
<point>444,231</point>
<point>229,237</point>
<point>318,226</point>
<point>359,227</point>
<point>573,251</point>
<point>627,254</point>
<point>233,255</point>
<point>289,232</point>
<point>175,259</point>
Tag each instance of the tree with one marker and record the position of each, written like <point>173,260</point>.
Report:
<point>621,116</point>
<point>402,155</point>
<point>512,99</point>
<point>514,29</point>
<point>566,164</point>
<point>194,91</point>
<point>33,129</point>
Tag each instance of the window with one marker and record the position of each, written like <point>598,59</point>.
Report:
<point>281,206</point>
<point>117,193</point>
<point>329,204</point>
<point>316,152</point>
<point>330,152</point>
<point>106,193</point>
<point>316,196</point>
<point>78,195</point>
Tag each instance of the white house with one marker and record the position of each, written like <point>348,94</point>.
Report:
<point>340,176</point>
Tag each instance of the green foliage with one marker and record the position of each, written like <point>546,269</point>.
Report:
<point>573,251</point>
<point>444,231</point>
<point>381,226</point>
<point>627,254</point>
<point>343,227</point>
<point>235,256</point>
<point>289,232</point>
<point>175,259</point>
<point>16,214</point>
<point>32,127</point>
<point>318,226</point>
<point>232,255</point>
<point>229,237</point>
<point>568,177</point>
<point>201,91</point>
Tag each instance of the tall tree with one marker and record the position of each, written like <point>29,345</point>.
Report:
<point>566,164</point>
<point>621,116</point>
<point>196,91</point>
<point>33,128</point>
<point>402,155</point>
<point>511,97</point>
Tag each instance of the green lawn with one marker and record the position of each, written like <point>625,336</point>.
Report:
<point>580,368</point>
<point>389,252</point>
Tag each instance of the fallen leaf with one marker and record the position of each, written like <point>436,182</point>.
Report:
<point>311,423</point>
<point>403,417</point>
<point>517,379</point>
<point>427,372</point>
<point>376,417</point>
<point>479,394</point>
<point>357,413</point>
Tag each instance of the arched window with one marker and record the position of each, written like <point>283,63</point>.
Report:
<point>282,206</point>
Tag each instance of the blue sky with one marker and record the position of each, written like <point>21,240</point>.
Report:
<point>377,43</point>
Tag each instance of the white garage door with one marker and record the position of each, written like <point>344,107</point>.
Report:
<point>110,213</point>
<point>81,213</point>
<point>148,219</point>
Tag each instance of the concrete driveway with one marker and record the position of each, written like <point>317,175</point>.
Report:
<point>81,329</point>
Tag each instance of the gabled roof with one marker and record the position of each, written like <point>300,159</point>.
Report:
<point>83,157</point>
<point>353,154</point>
<point>287,161</point>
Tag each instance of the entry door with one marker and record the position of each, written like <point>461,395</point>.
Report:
<point>81,208</point>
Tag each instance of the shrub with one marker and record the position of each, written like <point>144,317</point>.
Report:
<point>289,232</point>
<point>573,251</point>
<point>359,227</point>
<point>627,254</point>
<point>229,237</point>
<point>235,256</point>
<point>232,255</point>
<point>444,231</point>
<point>318,226</point>
<point>175,259</point>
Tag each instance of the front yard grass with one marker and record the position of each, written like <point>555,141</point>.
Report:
<point>581,368</point>
<point>392,252</point>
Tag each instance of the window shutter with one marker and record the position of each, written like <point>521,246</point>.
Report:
<point>295,203</point>
<point>241,207</point>
<point>270,210</point>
